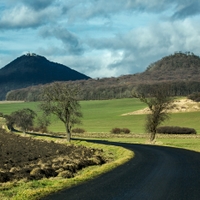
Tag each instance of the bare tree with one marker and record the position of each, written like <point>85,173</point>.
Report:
<point>43,121</point>
<point>23,119</point>
<point>158,101</point>
<point>10,121</point>
<point>61,100</point>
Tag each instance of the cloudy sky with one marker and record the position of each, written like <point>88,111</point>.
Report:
<point>100,38</point>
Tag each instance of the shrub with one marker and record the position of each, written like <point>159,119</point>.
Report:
<point>119,130</point>
<point>194,96</point>
<point>125,130</point>
<point>175,130</point>
<point>78,130</point>
<point>116,130</point>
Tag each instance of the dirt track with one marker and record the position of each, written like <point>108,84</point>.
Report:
<point>155,173</point>
<point>28,159</point>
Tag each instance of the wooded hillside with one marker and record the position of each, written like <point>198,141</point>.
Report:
<point>181,71</point>
<point>31,69</point>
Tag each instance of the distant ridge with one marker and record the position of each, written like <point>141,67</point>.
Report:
<point>32,69</point>
<point>181,71</point>
<point>179,66</point>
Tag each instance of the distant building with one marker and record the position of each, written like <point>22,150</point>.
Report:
<point>31,54</point>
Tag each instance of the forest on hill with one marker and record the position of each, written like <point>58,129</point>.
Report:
<point>181,71</point>
<point>31,69</point>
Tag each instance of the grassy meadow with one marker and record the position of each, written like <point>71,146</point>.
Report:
<point>102,116</point>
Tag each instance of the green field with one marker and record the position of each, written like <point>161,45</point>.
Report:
<point>102,116</point>
<point>7,108</point>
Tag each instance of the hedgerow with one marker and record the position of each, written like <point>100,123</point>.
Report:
<point>120,130</point>
<point>175,130</point>
<point>78,130</point>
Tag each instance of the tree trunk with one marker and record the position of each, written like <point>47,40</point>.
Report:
<point>68,133</point>
<point>152,136</point>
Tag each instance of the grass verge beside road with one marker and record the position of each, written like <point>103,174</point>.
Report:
<point>36,189</point>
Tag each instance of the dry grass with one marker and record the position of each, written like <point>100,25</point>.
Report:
<point>179,106</point>
<point>2,102</point>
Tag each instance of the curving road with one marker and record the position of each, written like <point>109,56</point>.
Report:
<point>155,173</point>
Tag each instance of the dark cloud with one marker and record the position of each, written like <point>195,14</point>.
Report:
<point>69,40</point>
<point>187,10</point>
<point>39,4</point>
<point>35,4</point>
<point>104,8</point>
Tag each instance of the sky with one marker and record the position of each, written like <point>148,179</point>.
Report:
<point>100,38</point>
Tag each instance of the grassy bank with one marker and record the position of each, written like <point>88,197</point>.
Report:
<point>36,189</point>
<point>33,190</point>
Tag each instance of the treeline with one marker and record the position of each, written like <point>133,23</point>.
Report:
<point>99,90</point>
<point>175,62</point>
<point>27,71</point>
<point>181,71</point>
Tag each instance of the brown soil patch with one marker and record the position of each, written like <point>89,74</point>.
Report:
<point>28,158</point>
<point>182,105</point>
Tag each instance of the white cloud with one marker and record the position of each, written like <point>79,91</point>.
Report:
<point>144,45</point>
<point>18,17</point>
<point>21,17</point>
<point>99,38</point>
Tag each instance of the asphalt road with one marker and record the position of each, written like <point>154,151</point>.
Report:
<point>155,173</point>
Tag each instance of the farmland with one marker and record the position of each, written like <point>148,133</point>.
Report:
<point>102,116</point>
<point>30,159</point>
<point>99,117</point>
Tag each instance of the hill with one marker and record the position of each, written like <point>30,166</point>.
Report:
<point>180,70</point>
<point>180,66</point>
<point>32,69</point>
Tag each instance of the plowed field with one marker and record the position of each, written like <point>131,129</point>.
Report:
<point>27,158</point>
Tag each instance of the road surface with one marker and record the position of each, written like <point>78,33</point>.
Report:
<point>155,173</point>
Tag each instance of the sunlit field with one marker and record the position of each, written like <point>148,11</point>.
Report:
<point>102,116</point>
<point>99,117</point>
